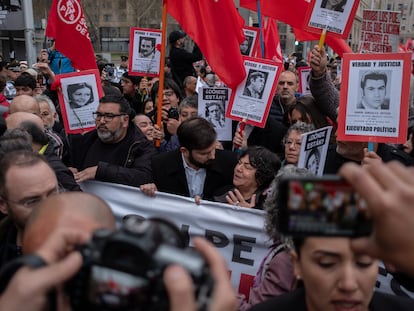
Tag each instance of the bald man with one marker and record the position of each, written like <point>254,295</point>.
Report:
<point>41,143</point>
<point>77,210</point>
<point>14,120</point>
<point>24,103</point>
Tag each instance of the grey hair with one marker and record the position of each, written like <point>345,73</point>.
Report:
<point>271,204</point>
<point>300,127</point>
<point>46,99</point>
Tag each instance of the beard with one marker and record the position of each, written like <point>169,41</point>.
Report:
<point>197,163</point>
<point>107,136</point>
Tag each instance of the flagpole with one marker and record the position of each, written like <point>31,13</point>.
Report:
<point>160,94</point>
<point>259,17</point>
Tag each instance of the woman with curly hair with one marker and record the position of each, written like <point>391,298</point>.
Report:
<point>252,176</point>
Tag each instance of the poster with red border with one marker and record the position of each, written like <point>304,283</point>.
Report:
<point>336,17</point>
<point>250,45</point>
<point>251,100</point>
<point>79,96</point>
<point>304,76</point>
<point>374,97</point>
<point>145,52</point>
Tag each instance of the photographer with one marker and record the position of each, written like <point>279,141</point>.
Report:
<point>29,287</point>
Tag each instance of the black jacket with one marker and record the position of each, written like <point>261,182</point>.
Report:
<point>387,153</point>
<point>296,301</point>
<point>182,63</point>
<point>169,174</point>
<point>127,162</point>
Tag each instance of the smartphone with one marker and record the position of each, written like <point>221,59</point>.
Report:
<point>321,206</point>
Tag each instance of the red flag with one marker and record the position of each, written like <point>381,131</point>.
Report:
<point>294,14</point>
<point>216,27</point>
<point>272,41</point>
<point>67,25</point>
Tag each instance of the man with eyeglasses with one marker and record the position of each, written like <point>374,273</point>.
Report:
<point>20,191</point>
<point>116,151</point>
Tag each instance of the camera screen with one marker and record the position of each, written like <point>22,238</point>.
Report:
<point>116,289</point>
<point>324,207</point>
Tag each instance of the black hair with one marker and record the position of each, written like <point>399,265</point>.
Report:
<point>25,79</point>
<point>38,135</point>
<point>373,75</point>
<point>196,134</point>
<point>266,163</point>
<point>124,106</point>
<point>168,84</point>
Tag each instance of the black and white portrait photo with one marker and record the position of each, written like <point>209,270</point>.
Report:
<point>373,92</point>
<point>246,45</point>
<point>334,5</point>
<point>147,47</point>
<point>80,95</point>
<point>255,84</point>
<point>215,113</point>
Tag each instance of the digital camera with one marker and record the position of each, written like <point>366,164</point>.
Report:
<point>123,270</point>
<point>110,72</point>
<point>173,113</point>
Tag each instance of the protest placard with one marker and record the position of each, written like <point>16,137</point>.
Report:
<point>251,42</point>
<point>78,98</point>
<point>374,97</point>
<point>304,76</point>
<point>212,105</point>
<point>380,31</point>
<point>313,150</point>
<point>145,51</point>
<point>333,15</point>
<point>252,99</point>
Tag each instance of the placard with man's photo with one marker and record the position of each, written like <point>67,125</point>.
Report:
<point>336,16</point>
<point>251,100</point>
<point>251,41</point>
<point>212,105</point>
<point>304,76</point>
<point>79,96</point>
<point>374,97</point>
<point>145,52</point>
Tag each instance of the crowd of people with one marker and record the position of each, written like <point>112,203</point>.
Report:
<point>40,226</point>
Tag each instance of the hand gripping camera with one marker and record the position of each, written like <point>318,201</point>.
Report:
<point>123,270</point>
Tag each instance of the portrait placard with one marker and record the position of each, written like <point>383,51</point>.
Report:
<point>79,96</point>
<point>212,105</point>
<point>313,150</point>
<point>304,76</point>
<point>251,42</point>
<point>336,16</point>
<point>252,99</point>
<point>374,97</point>
<point>145,52</point>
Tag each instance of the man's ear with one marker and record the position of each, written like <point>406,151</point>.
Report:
<point>296,265</point>
<point>184,150</point>
<point>3,206</point>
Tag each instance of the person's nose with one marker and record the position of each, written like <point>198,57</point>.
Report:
<point>348,281</point>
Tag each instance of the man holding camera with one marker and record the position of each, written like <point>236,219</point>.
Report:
<point>116,151</point>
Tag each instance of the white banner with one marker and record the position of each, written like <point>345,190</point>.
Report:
<point>237,232</point>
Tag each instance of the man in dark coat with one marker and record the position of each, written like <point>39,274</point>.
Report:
<point>116,151</point>
<point>196,169</point>
<point>180,59</point>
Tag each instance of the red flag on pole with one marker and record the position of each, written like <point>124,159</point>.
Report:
<point>216,27</point>
<point>273,50</point>
<point>67,25</point>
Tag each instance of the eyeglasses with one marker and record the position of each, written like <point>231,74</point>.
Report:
<point>168,93</point>
<point>33,201</point>
<point>108,117</point>
<point>290,142</point>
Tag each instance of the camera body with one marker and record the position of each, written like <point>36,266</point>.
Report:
<point>173,113</point>
<point>321,206</point>
<point>123,270</point>
<point>110,72</point>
